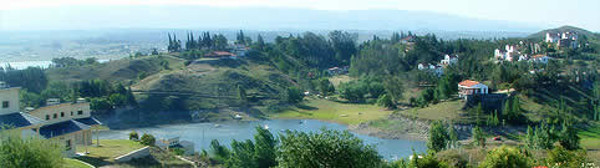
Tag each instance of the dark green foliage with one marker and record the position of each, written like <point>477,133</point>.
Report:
<point>364,88</point>
<point>29,152</point>
<point>394,87</point>
<point>147,139</point>
<point>325,87</point>
<point>568,137</point>
<point>386,101</point>
<point>543,137</point>
<point>219,153</point>
<point>512,110</point>
<point>438,137</point>
<point>265,148</point>
<point>344,45</point>
<point>478,136</point>
<point>242,155</point>
<point>505,157</point>
<point>453,137</point>
<point>293,95</point>
<point>565,158</point>
<point>33,78</point>
<point>133,136</point>
<point>326,149</point>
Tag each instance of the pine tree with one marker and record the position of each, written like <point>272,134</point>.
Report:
<point>260,43</point>
<point>438,137</point>
<point>568,137</point>
<point>453,137</point>
<point>530,138</point>
<point>478,136</point>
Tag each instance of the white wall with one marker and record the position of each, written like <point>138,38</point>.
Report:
<point>10,95</point>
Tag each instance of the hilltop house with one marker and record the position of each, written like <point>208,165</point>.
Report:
<point>337,70</point>
<point>505,54</point>
<point>449,59</point>
<point>469,87</point>
<point>564,39</point>
<point>438,70</point>
<point>69,123</point>
<point>540,58</point>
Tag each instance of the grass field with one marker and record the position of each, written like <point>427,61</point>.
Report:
<point>108,150</point>
<point>320,109</point>
<point>336,80</point>
<point>74,163</point>
<point>449,110</point>
<point>590,138</point>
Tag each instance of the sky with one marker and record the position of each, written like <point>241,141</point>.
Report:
<point>580,13</point>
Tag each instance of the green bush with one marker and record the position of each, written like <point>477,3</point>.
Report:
<point>505,157</point>
<point>134,136</point>
<point>147,139</point>
<point>30,152</point>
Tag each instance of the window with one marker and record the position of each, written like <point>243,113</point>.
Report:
<point>68,145</point>
<point>62,114</point>
<point>5,104</point>
<point>71,113</point>
<point>47,117</point>
<point>54,115</point>
<point>80,112</point>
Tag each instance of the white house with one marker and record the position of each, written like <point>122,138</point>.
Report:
<point>540,58</point>
<point>438,70</point>
<point>469,87</point>
<point>552,37</point>
<point>563,39</point>
<point>449,59</point>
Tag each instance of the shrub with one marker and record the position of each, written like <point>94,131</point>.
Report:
<point>30,152</point>
<point>505,157</point>
<point>134,136</point>
<point>148,139</point>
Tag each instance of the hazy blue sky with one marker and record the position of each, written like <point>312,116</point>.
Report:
<point>581,13</point>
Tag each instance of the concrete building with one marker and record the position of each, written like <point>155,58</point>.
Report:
<point>67,123</point>
<point>171,143</point>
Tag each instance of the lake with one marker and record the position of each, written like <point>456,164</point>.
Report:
<point>202,133</point>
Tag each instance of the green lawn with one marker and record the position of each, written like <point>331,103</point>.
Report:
<point>108,150</point>
<point>590,138</point>
<point>344,113</point>
<point>74,163</point>
<point>449,110</point>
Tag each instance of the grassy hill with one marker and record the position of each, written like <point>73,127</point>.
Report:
<point>124,70</point>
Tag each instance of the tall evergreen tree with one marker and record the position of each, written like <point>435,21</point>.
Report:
<point>438,137</point>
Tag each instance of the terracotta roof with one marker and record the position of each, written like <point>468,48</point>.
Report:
<point>538,56</point>
<point>468,83</point>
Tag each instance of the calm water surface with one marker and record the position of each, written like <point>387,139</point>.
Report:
<point>202,133</point>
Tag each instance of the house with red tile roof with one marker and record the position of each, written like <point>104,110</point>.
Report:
<point>469,87</point>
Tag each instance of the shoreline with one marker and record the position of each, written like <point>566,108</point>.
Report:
<point>362,128</point>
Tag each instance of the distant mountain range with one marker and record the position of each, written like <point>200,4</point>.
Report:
<point>203,17</point>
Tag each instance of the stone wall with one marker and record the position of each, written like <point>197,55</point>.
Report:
<point>140,153</point>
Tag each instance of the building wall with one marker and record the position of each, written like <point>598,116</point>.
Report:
<point>11,97</point>
<point>84,136</point>
<point>62,112</point>
<point>68,150</point>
